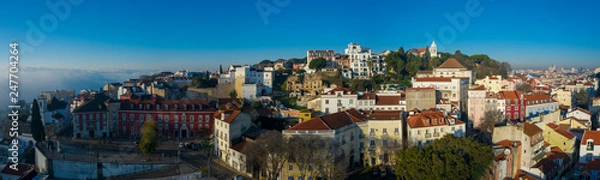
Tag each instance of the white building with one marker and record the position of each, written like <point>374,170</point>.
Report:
<point>423,128</point>
<point>453,88</point>
<point>433,51</point>
<point>229,126</point>
<point>358,60</point>
<point>453,68</point>
<point>538,104</point>
<point>493,83</point>
<point>590,146</point>
<point>338,100</point>
<point>580,114</point>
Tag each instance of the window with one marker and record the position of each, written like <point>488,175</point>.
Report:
<point>590,145</point>
<point>191,118</point>
<point>326,101</point>
<point>200,118</point>
<point>160,118</point>
<point>206,118</point>
<point>384,131</point>
<point>123,117</point>
<point>291,167</point>
<point>351,101</point>
<point>588,156</point>
<point>372,142</point>
<point>167,118</point>
<point>176,118</point>
<point>396,131</point>
<point>327,110</point>
<point>131,117</point>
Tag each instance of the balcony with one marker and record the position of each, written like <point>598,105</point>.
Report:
<point>339,104</point>
<point>428,135</point>
<point>436,134</point>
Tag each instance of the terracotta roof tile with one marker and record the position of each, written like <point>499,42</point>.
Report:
<point>367,96</point>
<point>345,91</point>
<point>584,111</point>
<point>560,131</point>
<point>595,135</point>
<point>388,100</point>
<point>427,119</point>
<point>239,146</point>
<point>434,79</point>
<point>330,121</point>
<point>531,129</point>
<point>451,63</point>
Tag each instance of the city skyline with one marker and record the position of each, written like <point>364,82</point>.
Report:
<point>128,35</point>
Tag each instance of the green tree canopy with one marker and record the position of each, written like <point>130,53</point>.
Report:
<point>149,141</point>
<point>233,94</point>
<point>266,61</point>
<point>317,63</point>
<point>447,158</point>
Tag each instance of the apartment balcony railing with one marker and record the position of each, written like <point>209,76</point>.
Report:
<point>428,135</point>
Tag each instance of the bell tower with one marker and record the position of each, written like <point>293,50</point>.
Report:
<point>433,49</point>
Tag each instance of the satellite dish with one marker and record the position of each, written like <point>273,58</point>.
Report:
<point>506,152</point>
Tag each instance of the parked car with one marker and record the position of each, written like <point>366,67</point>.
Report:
<point>375,171</point>
<point>181,145</point>
<point>383,172</point>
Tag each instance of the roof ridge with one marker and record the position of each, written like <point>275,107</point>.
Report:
<point>323,121</point>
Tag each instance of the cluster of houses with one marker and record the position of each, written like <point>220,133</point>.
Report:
<point>542,134</point>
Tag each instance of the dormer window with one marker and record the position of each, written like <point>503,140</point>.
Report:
<point>590,145</point>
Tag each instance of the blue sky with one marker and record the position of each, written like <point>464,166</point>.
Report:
<point>200,35</point>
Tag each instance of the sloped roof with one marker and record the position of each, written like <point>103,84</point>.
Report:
<point>95,105</point>
<point>428,119</point>
<point>595,135</point>
<point>388,100</point>
<point>56,104</point>
<point>522,175</point>
<point>232,114</point>
<point>531,129</point>
<point>345,91</point>
<point>330,121</point>
<point>560,131</point>
<point>451,63</point>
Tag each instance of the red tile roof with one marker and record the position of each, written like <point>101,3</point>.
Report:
<point>584,111</point>
<point>389,100</point>
<point>367,96</point>
<point>595,135</point>
<point>596,98</point>
<point>451,63</point>
<point>593,165</point>
<point>434,79</point>
<point>385,115</point>
<point>560,131</point>
<point>531,129</point>
<point>231,115</point>
<point>330,121</point>
<point>478,88</point>
<point>428,119</point>
<point>344,91</point>
<point>239,146</point>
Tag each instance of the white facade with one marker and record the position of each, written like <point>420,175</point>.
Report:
<point>358,60</point>
<point>229,126</point>
<point>589,147</point>
<point>580,114</point>
<point>454,89</point>
<point>338,100</point>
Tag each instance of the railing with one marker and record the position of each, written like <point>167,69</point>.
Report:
<point>428,135</point>
<point>436,134</point>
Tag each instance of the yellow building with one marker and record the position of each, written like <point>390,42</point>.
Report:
<point>341,128</point>
<point>493,83</point>
<point>384,137</point>
<point>420,98</point>
<point>564,97</point>
<point>557,136</point>
<point>305,115</point>
<point>423,128</point>
<point>574,123</point>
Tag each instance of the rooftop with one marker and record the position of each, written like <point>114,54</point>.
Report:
<point>589,134</point>
<point>451,63</point>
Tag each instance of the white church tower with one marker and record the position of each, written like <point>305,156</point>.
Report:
<point>433,50</point>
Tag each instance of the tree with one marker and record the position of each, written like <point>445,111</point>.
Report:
<point>256,104</point>
<point>266,61</point>
<point>447,158</point>
<point>582,98</point>
<point>233,94</point>
<point>220,68</point>
<point>490,119</point>
<point>525,87</point>
<point>268,153</point>
<point>317,63</point>
<point>37,126</point>
<point>149,141</point>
